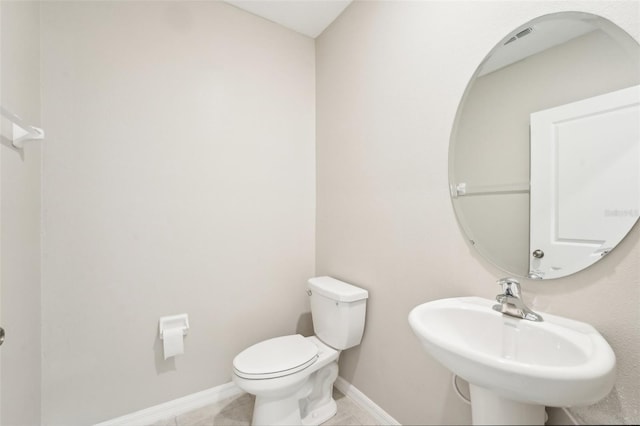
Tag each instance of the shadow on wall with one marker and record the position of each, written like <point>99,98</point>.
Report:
<point>305,325</point>
<point>9,144</point>
<point>162,365</point>
<point>354,356</point>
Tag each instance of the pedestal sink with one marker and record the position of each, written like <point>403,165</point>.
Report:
<point>515,367</point>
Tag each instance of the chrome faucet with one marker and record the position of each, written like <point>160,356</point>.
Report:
<point>510,302</point>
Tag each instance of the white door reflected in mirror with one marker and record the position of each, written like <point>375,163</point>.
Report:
<point>584,180</point>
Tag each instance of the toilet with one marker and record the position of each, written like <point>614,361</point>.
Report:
<point>292,376</point>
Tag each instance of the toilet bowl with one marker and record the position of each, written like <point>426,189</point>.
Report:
<point>292,376</point>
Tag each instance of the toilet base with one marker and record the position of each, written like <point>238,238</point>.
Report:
<point>276,411</point>
<point>321,414</point>
<point>310,405</point>
<point>268,411</point>
<point>319,405</point>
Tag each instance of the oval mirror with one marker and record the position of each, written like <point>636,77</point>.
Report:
<point>544,159</point>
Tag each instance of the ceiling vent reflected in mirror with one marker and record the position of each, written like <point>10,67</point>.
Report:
<point>534,39</point>
<point>521,34</point>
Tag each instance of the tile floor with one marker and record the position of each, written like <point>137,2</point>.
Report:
<point>237,411</point>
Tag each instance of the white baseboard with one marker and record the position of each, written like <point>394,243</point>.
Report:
<point>176,407</point>
<point>219,393</point>
<point>381,416</point>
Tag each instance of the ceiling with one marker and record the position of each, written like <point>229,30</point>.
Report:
<point>312,17</point>
<point>308,17</point>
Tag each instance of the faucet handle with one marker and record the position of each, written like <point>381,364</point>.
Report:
<point>510,287</point>
<point>510,302</point>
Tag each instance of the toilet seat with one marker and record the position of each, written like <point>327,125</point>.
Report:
<point>275,357</point>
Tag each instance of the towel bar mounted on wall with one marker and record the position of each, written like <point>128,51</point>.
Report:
<point>465,189</point>
<point>20,131</point>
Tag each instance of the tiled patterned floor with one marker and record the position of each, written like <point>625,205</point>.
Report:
<point>237,411</point>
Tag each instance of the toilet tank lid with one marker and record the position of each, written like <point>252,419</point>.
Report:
<point>337,290</point>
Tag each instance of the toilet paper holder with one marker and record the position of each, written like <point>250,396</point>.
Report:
<point>172,322</point>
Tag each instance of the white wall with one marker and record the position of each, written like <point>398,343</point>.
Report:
<point>20,219</point>
<point>390,76</point>
<point>179,176</point>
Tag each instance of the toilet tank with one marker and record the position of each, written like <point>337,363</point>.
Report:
<point>338,310</point>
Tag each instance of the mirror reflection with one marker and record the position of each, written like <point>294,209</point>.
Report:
<point>545,152</point>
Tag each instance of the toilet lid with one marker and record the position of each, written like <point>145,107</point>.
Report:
<point>275,357</point>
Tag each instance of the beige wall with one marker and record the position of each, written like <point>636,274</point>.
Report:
<point>179,176</point>
<point>20,219</point>
<point>495,120</point>
<point>390,76</point>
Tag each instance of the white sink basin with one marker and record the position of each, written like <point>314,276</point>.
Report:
<point>557,362</point>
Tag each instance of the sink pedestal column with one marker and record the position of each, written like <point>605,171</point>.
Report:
<point>487,408</point>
